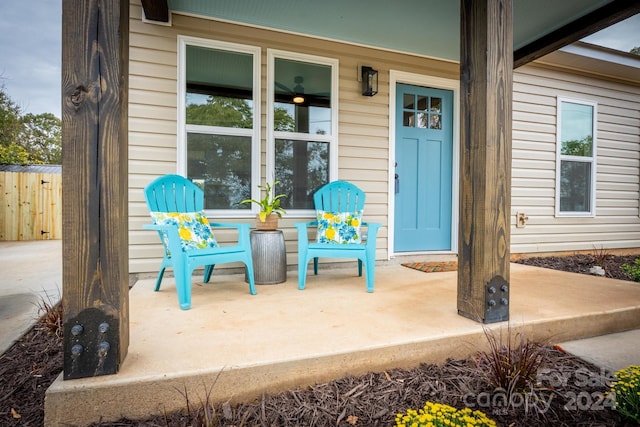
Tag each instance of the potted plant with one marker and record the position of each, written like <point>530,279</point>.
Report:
<point>270,210</point>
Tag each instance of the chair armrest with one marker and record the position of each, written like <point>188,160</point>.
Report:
<point>171,230</point>
<point>372,231</point>
<point>303,226</point>
<point>303,237</point>
<point>237,225</point>
<point>243,231</point>
<point>173,238</point>
<point>372,227</point>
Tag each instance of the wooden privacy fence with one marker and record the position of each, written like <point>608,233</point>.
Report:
<point>30,202</point>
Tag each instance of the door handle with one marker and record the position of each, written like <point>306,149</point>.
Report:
<point>397,182</point>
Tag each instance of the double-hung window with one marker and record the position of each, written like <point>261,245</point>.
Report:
<point>302,125</point>
<point>576,158</point>
<point>219,120</point>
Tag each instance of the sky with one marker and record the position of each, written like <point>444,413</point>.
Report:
<point>30,51</point>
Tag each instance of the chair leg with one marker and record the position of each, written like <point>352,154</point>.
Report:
<point>208,269</point>
<point>315,266</point>
<point>159,279</point>
<point>250,275</point>
<point>183,286</point>
<point>371,269</point>
<point>359,267</point>
<point>302,272</point>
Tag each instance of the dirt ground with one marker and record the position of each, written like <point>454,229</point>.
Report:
<point>33,362</point>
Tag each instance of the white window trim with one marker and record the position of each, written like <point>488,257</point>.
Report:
<point>182,128</point>
<point>272,135</point>
<point>560,157</point>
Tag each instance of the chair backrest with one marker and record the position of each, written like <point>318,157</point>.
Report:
<point>173,193</point>
<point>339,196</point>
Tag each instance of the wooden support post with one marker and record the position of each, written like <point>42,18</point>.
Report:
<point>95,46</point>
<point>486,63</point>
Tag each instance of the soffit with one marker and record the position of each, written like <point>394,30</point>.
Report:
<point>596,60</point>
<point>423,27</point>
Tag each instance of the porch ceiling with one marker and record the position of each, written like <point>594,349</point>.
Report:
<point>423,27</point>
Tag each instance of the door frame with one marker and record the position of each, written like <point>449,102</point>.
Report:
<point>436,83</point>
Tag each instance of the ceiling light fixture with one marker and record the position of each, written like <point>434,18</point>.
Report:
<point>298,90</point>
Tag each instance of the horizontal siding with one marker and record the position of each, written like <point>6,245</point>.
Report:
<point>363,138</point>
<point>617,223</point>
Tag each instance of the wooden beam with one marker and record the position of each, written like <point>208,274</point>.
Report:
<point>156,10</point>
<point>607,15</point>
<point>486,53</point>
<point>95,46</point>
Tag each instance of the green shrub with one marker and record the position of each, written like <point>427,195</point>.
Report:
<point>440,415</point>
<point>633,271</point>
<point>626,389</point>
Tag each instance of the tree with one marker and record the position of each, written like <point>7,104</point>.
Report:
<point>10,125</point>
<point>578,147</point>
<point>221,111</point>
<point>41,136</point>
<point>13,155</point>
<point>635,50</point>
<point>30,138</point>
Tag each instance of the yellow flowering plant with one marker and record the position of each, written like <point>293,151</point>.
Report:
<point>626,389</point>
<point>441,415</point>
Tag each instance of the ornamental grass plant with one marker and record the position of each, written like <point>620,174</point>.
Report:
<point>512,362</point>
<point>626,389</point>
<point>440,415</point>
<point>50,314</point>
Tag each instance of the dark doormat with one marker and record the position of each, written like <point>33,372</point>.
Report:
<point>432,267</point>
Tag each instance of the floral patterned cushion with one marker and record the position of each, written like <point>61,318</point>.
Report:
<point>193,228</point>
<point>339,227</point>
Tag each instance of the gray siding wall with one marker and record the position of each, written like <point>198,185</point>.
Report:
<point>617,223</point>
<point>363,137</point>
<point>363,130</point>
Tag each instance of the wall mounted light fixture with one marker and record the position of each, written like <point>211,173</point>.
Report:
<point>369,81</point>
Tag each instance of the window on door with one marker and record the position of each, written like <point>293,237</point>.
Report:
<point>219,140</point>
<point>419,111</point>
<point>302,128</point>
<point>576,158</point>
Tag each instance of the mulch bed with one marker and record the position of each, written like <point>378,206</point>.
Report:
<point>27,369</point>
<point>33,362</point>
<point>581,263</point>
<point>375,398</point>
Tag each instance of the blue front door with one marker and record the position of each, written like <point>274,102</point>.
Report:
<point>424,147</point>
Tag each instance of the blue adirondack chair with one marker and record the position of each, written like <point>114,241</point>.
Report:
<point>339,207</point>
<point>171,199</point>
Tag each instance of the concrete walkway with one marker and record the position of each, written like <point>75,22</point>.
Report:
<point>611,352</point>
<point>30,274</point>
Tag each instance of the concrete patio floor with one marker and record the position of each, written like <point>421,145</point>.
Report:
<point>242,345</point>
